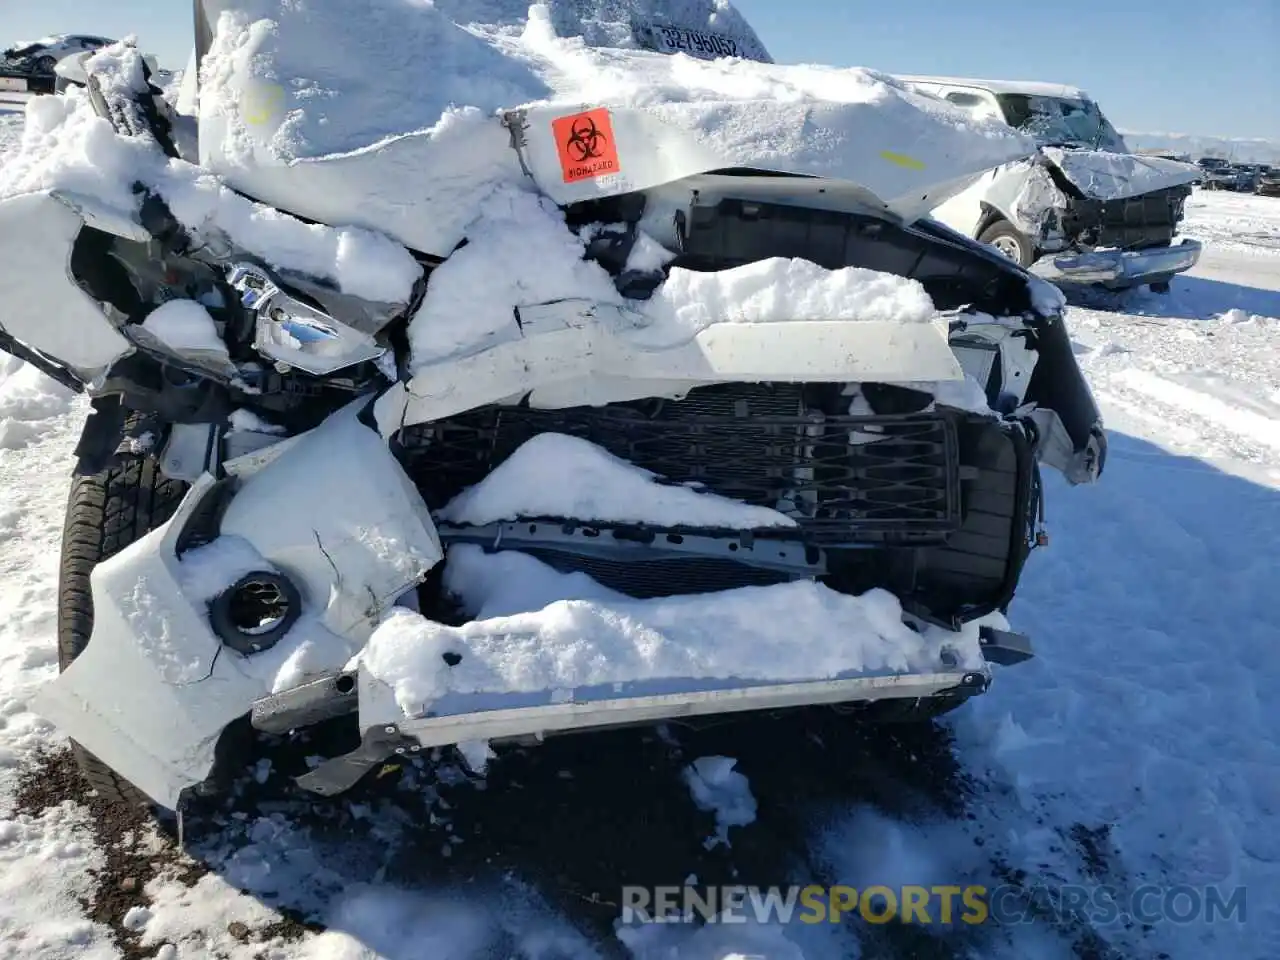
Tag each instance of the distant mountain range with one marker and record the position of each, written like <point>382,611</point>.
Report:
<point>1243,150</point>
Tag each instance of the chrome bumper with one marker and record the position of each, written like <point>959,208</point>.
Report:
<point>1120,268</point>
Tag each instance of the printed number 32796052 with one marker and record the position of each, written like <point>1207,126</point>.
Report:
<point>696,42</point>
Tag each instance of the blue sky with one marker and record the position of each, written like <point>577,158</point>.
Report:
<point>1208,67</point>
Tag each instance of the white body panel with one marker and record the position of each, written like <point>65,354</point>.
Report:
<point>564,348</point>
<point>44,309</point>
<point>62,45</point>
<point>1020,192</point>
<point>14,91</point>
<point>155,687</point>
<point>1114,176</point>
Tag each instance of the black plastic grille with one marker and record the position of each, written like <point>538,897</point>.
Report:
<point>1134,222</point>
<point>754,443</point>
<point>662,578</point>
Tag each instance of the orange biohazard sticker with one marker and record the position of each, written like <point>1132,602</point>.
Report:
<point>586,145</point>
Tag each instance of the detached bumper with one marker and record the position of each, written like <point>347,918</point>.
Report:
<point>1121,268</point>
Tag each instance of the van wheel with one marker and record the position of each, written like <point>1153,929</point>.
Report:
<point>106,512</point>
<point>1010,241</point>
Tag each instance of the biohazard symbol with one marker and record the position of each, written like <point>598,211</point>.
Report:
<point>586,145</point>
<point>585,140</point>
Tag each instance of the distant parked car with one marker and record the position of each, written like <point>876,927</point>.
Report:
<point>1251,175</point>
<point>1221,174</point>
<point>1269,183</point>
<point>28,66</point>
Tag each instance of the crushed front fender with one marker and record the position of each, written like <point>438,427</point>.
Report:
<point>333,514</point>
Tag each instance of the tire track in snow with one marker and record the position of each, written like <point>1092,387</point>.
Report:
<point>1232,418</point>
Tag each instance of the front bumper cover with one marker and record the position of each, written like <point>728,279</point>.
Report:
<point>1121,268</point>
<point>156,686</point>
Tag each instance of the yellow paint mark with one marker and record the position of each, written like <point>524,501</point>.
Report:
<point>387,768</point>
<point>260,102</point>
<point>902,160</point>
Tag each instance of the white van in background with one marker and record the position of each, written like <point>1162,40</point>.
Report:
<point>1085,208</point>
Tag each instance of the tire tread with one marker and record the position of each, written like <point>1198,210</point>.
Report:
<point>106,512</point>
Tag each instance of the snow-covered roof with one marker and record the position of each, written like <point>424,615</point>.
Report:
<point>1031,88</point>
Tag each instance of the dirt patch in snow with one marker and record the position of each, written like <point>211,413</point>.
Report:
<point>133,850</point>
<point>1096,849</point>
<point>136,848</point>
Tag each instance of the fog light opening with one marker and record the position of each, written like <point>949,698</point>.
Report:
<point>255,612</point>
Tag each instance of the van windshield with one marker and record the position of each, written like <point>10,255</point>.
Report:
<point>1061,122</point>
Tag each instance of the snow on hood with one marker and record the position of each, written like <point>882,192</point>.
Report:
<point>68,149</point>
<point>1114,176</point>
<point>391,119</point>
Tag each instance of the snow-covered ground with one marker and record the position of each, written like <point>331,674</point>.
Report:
<point>1140,748</point>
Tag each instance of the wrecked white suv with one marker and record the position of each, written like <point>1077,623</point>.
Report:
<point>1083,209</point>
<point>572,368</point>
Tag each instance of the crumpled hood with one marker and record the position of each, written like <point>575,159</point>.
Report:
<point>391,119</point>
<point>1115,176</point>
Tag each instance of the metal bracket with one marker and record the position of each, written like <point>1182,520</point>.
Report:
<point>324,698</point>
<point>339,774</point>
<point>192,449</point>
<point>1004,647</point>
<point>517,124</point>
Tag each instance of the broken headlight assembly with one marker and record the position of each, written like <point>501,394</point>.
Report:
<point>293,334</point>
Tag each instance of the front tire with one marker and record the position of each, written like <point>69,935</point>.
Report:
<point>1010,241</point>
<point>106,512</point>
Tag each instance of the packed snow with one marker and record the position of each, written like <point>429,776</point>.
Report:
<point>206,571</point>
<point>469,306</point>
<point>422,171</point>
<point>184,325</point>
<point>778,289</point>
<point>537,630</point>
<point>717,788</point>
<point>1248,226</point>
<point>66,147</point>
<point>556,475</point>
<point>246,421</point>
<point>28,401</point>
